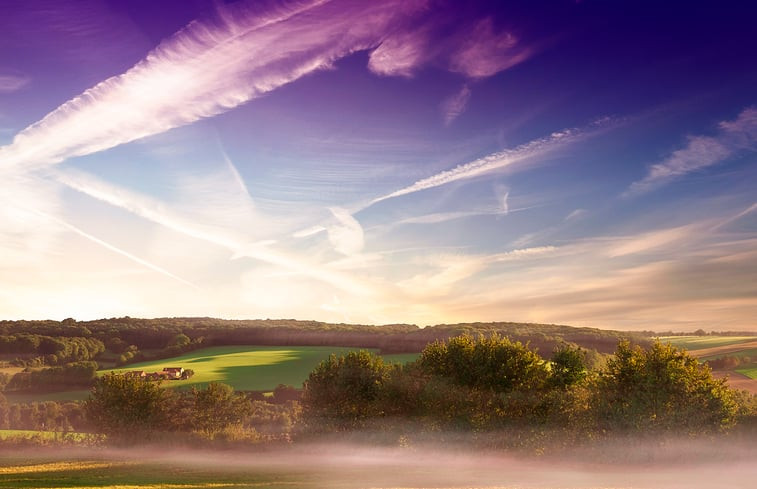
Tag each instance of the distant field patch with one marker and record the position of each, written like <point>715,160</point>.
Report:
<point>76,395</point>
<point>701,342</point>
<point>259,368</point>
<point>748,352</point>
<point>750,372</point>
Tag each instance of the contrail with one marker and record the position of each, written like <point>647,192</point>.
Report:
<point>203,70</point>
<point>154,211</point>
<point>494,161</point>
<point>112,248</point>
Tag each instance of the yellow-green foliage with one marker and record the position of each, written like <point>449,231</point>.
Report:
<point>661,389</point>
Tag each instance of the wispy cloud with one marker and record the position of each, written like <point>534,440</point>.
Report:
<point>347,234</point>
<point>531,151</point>
<point>449,269</point>
<point>159,213</point>
<point>485,51</point>
<point>471,47</point>
<point>203,70</point>
<point>112,248</point>
<point>455,105</point>
<point>702,151</point>
<point>10,83</point>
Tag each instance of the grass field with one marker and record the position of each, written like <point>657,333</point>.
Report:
<point>748,352</point>
<point>259,368</point>
<point>700,342</point>
<point>104,474</point>
<point>76,395</point>
<point>750,372</point>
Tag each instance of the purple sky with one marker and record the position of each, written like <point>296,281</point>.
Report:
<point>586,162</point>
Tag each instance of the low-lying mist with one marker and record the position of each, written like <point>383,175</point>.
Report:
<point>721,463</point>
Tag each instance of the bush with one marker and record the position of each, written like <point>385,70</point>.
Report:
<point>494,363</point>
<point>661,389</point>
<point>341,393</point>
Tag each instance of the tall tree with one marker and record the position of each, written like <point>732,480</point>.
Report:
<point>128,408</point>
<point>661,388</point>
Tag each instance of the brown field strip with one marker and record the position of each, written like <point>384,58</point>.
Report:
<point>738,381</point>
<point>722,350</point>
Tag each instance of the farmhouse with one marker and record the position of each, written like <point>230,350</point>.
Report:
<point>168,373</point>
<point>173,373</point>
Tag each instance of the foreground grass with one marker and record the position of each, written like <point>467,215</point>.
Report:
<point>43,435</point>
<point>103,474</point>
<point>258,368</point>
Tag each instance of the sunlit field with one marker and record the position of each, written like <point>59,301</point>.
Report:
<point>104,474</point>
<point>699,342</point>
<point>254,368</point>
<point>749,372</point>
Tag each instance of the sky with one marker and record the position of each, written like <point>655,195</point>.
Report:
<point>588,163</point>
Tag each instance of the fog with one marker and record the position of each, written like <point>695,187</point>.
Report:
<point>627,464</point>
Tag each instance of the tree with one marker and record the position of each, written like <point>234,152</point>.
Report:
<point>283,393</point>
<point>491,363</point>
<point>567,367</point>
<point>341,392</point>
<point>128,408</point>
<point>662,388</point>
<point>216,408</point>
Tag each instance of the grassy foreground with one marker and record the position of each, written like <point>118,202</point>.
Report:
<point>43,435</point>
<point>254,368</point>
<point>104,474</point>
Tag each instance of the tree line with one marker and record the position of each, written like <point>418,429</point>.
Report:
<point>490,387</point>
<point>492,384</point>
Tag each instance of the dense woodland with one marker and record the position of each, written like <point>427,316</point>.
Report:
<point>54,342</point>
<point>59,355</point>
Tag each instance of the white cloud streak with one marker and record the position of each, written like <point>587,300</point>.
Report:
<point>155,211</point>
<point>455,105</point>
<point>496,161</point>
<point>702,152</point>
<point>203,70</point>
<point>113,248</point>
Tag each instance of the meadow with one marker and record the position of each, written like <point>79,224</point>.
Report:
<point>112,474</point>
<point>693,343</point>
<point>250,368</point>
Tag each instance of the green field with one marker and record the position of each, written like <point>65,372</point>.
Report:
<point>700,342</point>
<point>749,352</point>
<point>750,372</point>
<point>104,474</point>
<point>253,368</point>
<point>20,397</point>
